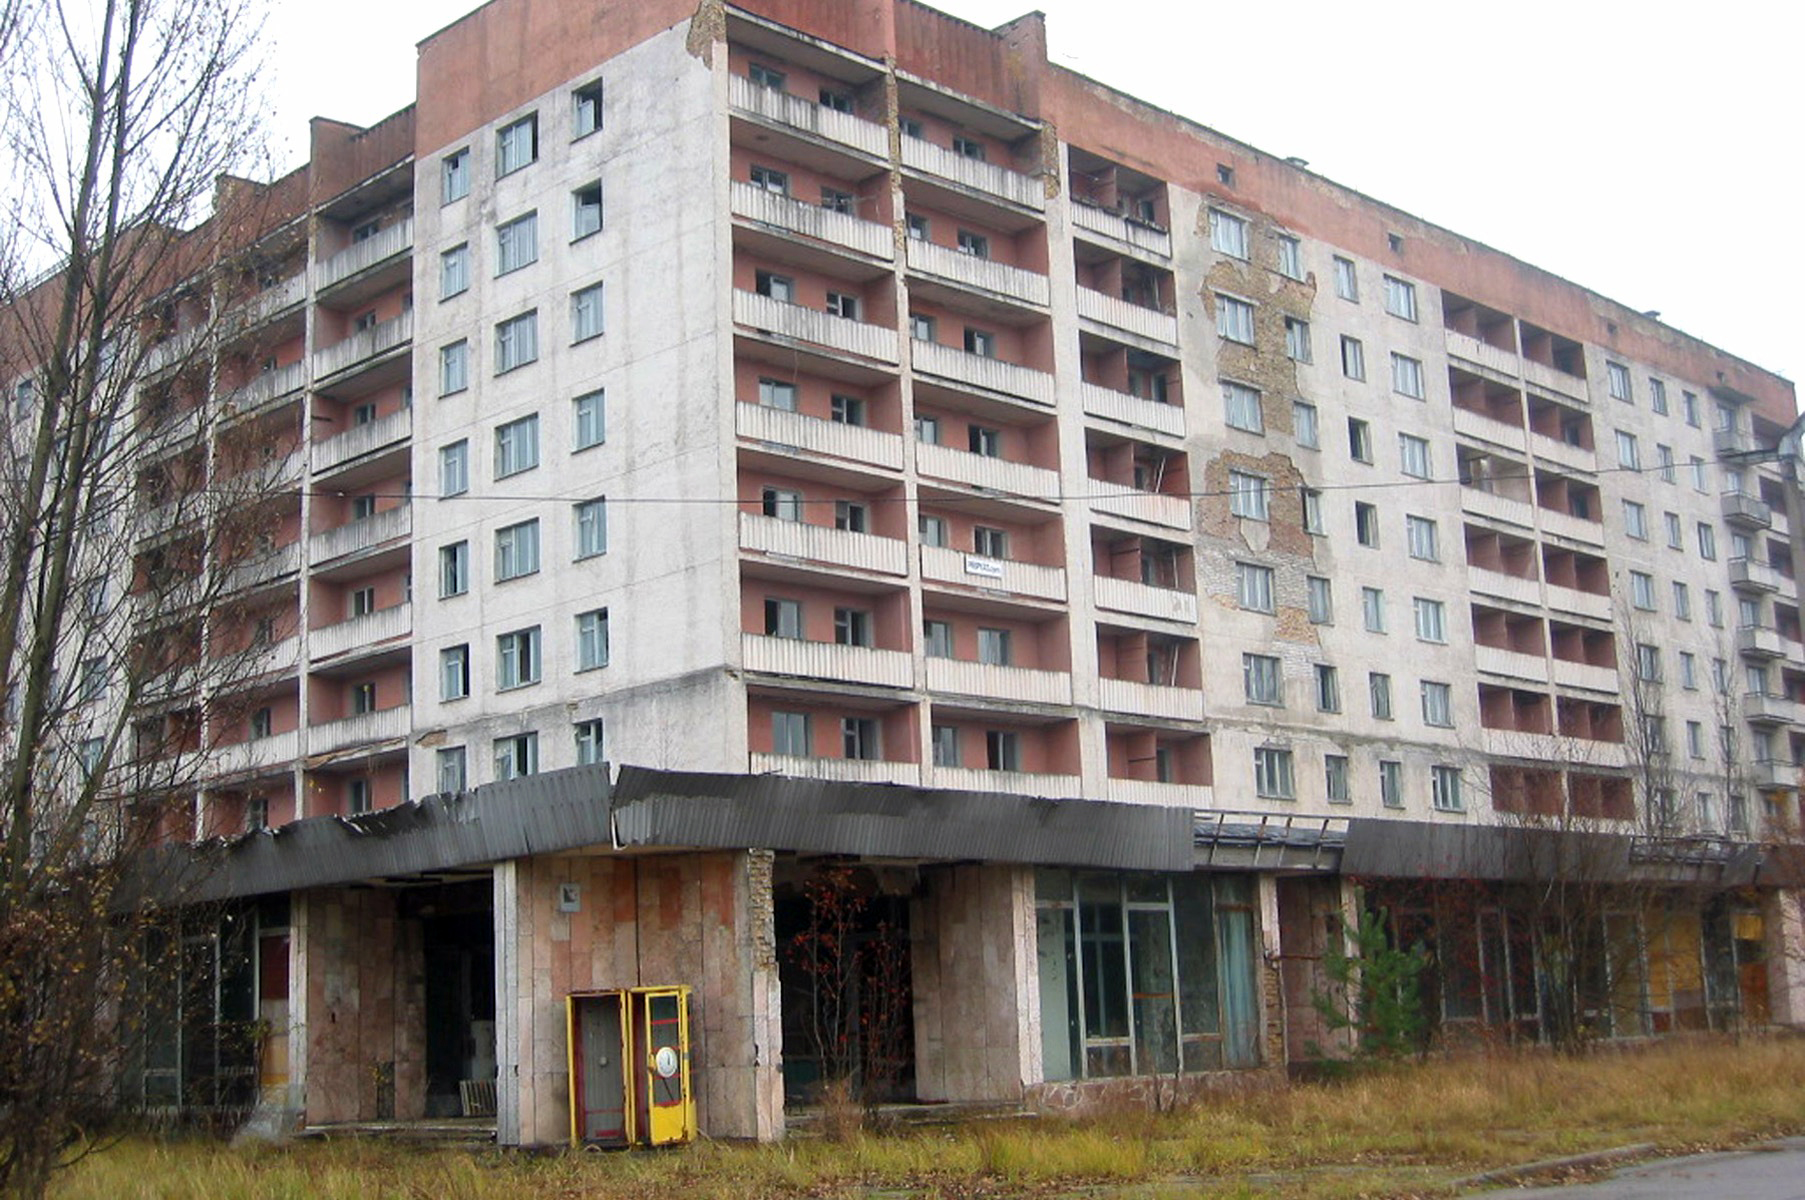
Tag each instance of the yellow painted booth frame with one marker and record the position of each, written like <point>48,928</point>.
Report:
<point>629,1054</point>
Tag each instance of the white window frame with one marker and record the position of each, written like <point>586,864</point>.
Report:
<point>592,639</point>
<point>454,468</point>
<point>586,314</point>
<point>1235,319</point>
<point>1253,587</point>
<point>1249,495</point>
<point>1228,234</point>
<point>1431,617</point>
<point>519,661</point>
<point>591,527</point>
<point>517,550</point>
<point>517,145</point>
<point>1241,407</point>
<point>589,420</point>
<point>517,243</point>
<point>517,446</point>
<point>454,367</point>
<point>1400,298</point>
<point>517,342</point>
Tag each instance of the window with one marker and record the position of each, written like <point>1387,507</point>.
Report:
<point>591,741</point>
<point>1366,524</point>
<point>451,770</point>
<point>1272,773</point>
<point>847,410</point>
<point>1347,283</point>
<point>783,618</point>
<point>851,516</point>
<point>858,738</point>
<point>989,543</point>
<point>454,176</point>
<point>1707,541</point>
<point>1682,601</point>
<point>589,420</point>
<point>517,446</point>
<point>1312,511</point>
<point>1438,704</point>
<point>984,441</point>
<point>592,527</point>
<point>1642,590</point>
<point>592,639</point>
<point>1664,461</point>
<point>927,430</point>
<point>363,602</point>
<point>1359,440</point>
<point>1407,376</point>
<point>363,507</point>
<point>1372,609</point>
<point>1422,536</point>
<point>357,797</point>
<point>586,313</point>
<point>1241,408</point>
<point>1249,495</point>
<point>1635,520</point>
<point>995,647</point>
<point>1695,739</point>
<point>774,393</point>
<point>980,342</point>
<point>262,723</point>
<point>454,367</point>
<point>783,504</point>
<point>516,551</point>
<point>853,627</point>
<point>1002,750</point>
<point>1444,788</point>
<point>837,201</point>
<point>1688,670</point>
<point>1400,298</point>
<point>1676,537</point>
<point>1648,662</point>
<point>1304,426</point>
<point>765,77</point>
<point>1629,455</point>
<point>1391,783</point>
<point>454,570</point>
<point>516,342</point>
<point>454,271</point>
<point>516,145</point>
<point>1617,381</point>
<point>1320,599</point>
<point>93,679</point>
<point>586,103</point>
<point>517,658</point>
<point>1260,677</point>
<point>1253,586</point>
<point>932,530</point>
<point>922,328</point>
<point>1291,257</point>
<point>1657,397</point>
<point>918,227</point>
<point>1689,402</point>
<point>1328,689</point>
<point>1714,608</point>
<point>1431,620</point>
<point>1234,319</point>
<point>1413,455</point>
<point>1228,234</point>
<point>1378,693</point>
<point>974,244</point>
<point>516,757</point>
<point>791,736</point>
<point>970,148</point>
<point>1335,779</point>
<point>844,305</point>
<point>771,180</point>
<point>517,243</point>
<point>1698,474</point>
<point>454,672</point>
<point>778,287</point>
<point>946,745</point>
<point>937,638</point>
<point>454,469</point>
<point>1748,613</point>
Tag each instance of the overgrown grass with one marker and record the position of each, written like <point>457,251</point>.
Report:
<point>1406,1130</point>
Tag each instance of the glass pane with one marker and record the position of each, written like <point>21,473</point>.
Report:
<point>1240,1003</point>
<point>1105,966</point>
<point>1194,914</point>
<point>1155,1004</point>
<point>1053,884</point>
<point>1056,952</point>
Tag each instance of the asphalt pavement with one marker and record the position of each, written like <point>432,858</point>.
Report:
<point>1771,1171</point>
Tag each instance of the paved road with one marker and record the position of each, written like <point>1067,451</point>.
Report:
<point>1775,1171</point>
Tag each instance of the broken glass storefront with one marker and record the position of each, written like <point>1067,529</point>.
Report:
<point>1144,974</point>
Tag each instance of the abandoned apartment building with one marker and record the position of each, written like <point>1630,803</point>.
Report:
<point>1092,553</point>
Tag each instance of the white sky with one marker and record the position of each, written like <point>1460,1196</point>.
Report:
<point>1654,151</point>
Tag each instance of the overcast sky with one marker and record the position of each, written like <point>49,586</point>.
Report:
<point>1654,152</point>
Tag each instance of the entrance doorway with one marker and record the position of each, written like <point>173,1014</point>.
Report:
<point>458,939</point>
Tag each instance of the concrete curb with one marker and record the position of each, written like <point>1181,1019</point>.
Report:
<point>1553,1166</point>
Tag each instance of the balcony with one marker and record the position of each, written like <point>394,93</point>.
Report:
<point>827,661</point>
<point>272,565</point>
<point>1482,354</point>
<point>1746,512</point>
<point>266,389</point>
<point>850,770</point>
<point>1554,748</point>
<point>388,725</point>
<point>360,440</point>
<point>1563,454</point>
<point>1748,575</point>
<point>1160,795</point>
<point>1016,684</point>
<point>990,474</point>
<point>1774,774</point>
<point>386,526</point>
<point>360,633</point>
<point>1760,641</point>
<point>1013,283</point>
<point>1018,783</point>
<point>355,259</point>
<point>271,302</point>
<point>1149,700</point>
<point>1025,383</point>
<point>1484,429</point>
<point>1579,603</point>
<point>258,754</point>
<point>791,432</point>
<point>939,564</point>
<point>258,661</point>
<point>988,178</point>
<point>364,345</point>
<point>1550,380</point>
<point>823,544</point>
<point>1759,708</point>
<point>1585,676</point>
<point>801,324</point>
<point>1494,507</point>
<point>1132,504</point>
<point>1136,235</point>
<point>1117,314</point>
<point>1111,405</point>
<point>805,116</point>
<point>1574,529</point>
<point>766,207</point>
<point>1727,442</point>
<point>1491,660</point>
<point>1144,600</point>
<point>1506,587</point>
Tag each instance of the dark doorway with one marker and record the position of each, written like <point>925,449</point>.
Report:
<point>458,939</point>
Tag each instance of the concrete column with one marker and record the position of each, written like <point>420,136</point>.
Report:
<point>1783,924</point>
<point>507,1002</point>
<point>974,983</point>
<point>1272,991</point>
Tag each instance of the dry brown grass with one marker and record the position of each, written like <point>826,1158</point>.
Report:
<point>1404,1131</point>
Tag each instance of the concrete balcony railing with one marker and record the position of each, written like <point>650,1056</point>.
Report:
<point>1130,318</point>
<point>1509,663</point>
<point>941,564</point>
<point>359,633</point>
<point>1773,774</point>
<point>1494,507</point>
<point>1579,603</point>
<point>1550,380</point>
<point>778,211</point>
<point>271,302</point>
<point>1128,503</point>
<point>1485,429</point>
<point>1764,709</point>
<point>852,770</point>
<point>999,182</point>
<point>390,525</point>
<point>1575,529</point>
<point>981,471</point>
<point>177,348</point>
<point>1731,441</point>
<point>254,662</point>
<point>1749,512</point>
<point>1024,287</point>
<point>397,239</point>
<point>931,358</point>
<point>1138,234</point>
<point>1020,783</point>
<point>1585,675</point>
<point>1111,405</point>
<point>1144,600</point>
<point>364,345</point>
<point>806,325</point>
<point>263,568</point>
<point>259,754</point>
<point>266,389</point>
<point>359,440</point>
<point>1018,684</point>
<point>793,431</point>
<point>1563,454</point>
<point>1506,587</point>
<point>1484,354</point>
<point>1160,795</point>
<point>1149,700</point>
<point>823,544</point>
<point>386,725</point>
<point>826,660</point>
<point>1748,575</point>
<point>1760,641</point>
<point>1551,747</point>
<point>805,116</point>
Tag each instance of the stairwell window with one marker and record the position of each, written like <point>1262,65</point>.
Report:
<point>591,527</point>
<point>517,446</point>
<point>1228,234</point>
<point>454,468</point>
<point>1241,407</point>
<point>586,211</point>
<point>454,367</point>
<point>589,420</point>
<point>454,271</point>
<point>517,145</point>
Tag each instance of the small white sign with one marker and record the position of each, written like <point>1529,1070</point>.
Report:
<point>988,568</point>
<point>570,897</point>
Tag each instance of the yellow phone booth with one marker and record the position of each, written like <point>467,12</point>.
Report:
<point>629,1067</point>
